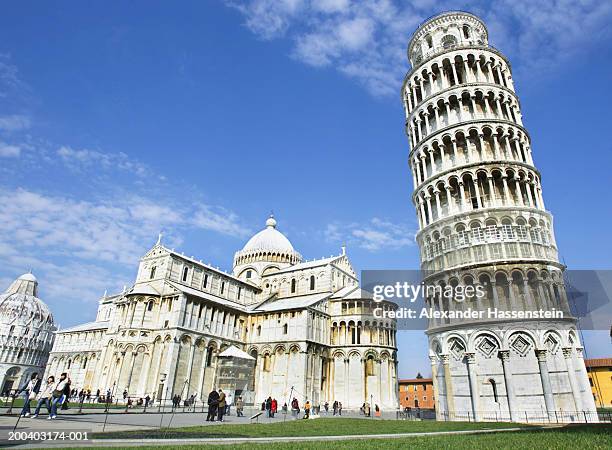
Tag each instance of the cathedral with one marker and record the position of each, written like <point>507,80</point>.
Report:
<point>302,329</point>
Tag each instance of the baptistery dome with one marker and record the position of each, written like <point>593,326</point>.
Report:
<point>26,332</point>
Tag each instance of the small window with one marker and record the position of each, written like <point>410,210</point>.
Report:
<point>150,306</point>
<point>429,41</point>
<point>205,281</point>
<point>222,287</point>
<point>466,31</point>
<point>249,273</point>
<point>258,330</point>
<point>200,311</point>
<point>239,292</point>
<point>285,329</point>
<point>312,282</point>
<point>166,324</point>
<point>293,285</point>
<point>152,274</point>
<point>185,273</point>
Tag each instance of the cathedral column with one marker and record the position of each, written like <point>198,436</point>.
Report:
<point>144,373</point>
<point>132,362</point>
<point>190,365</point>
<point>173,353</point>
<point>504,355</point>
<point>571,374</point>
<point>203,370</point>
<point>545,379</point>
<point>448,384</point>
<point>474,394</point>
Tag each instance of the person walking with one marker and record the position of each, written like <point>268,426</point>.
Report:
<point>335,407</point>
<point>64,398</point>
<point>44,396</point>
<point>274,406</point>
<point>147,400</point>
<point>222,405</point>
<point>339,408</point>
<point>29,389</point>
<point>239,406</point>
<point>213,402</point>
<point>326,406</point>
<point>269,406</point>
<point>366,409</point>
<point>58,394</point>
<point>307,409</point>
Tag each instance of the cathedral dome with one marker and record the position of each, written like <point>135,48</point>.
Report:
<point>269,239</point>
<point>267,246</point>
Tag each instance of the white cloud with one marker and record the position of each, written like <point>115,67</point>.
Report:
<point>366,40</point>
<point>14,122</point>
<point>374,235</point>
<point>220,220</point>
<point>112,230</point>
<point>9,151</point>
<point>80,159</point>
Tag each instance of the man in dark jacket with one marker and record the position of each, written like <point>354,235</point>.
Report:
<point>213,403</point>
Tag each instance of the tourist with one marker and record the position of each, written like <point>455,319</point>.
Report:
<point>44,396</point>
<point>366,409</point>
<point>274,406</point>
<point>97,398</point>
<point>239,406</point>
<point>222,405</point>
<point>213,402</point>
<point>229,400</point>
<point>335,407</point>
<point>269,406</point>
<point>307,409</point>
<point>326,406</point>
<point>64,398</point>
<point>339,408</point>
<point>59,394</point>
<point>30,389</point>
<point>147,400</point>
<point>295,407</point>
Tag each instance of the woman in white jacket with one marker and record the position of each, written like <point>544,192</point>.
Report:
<point>45,395</point>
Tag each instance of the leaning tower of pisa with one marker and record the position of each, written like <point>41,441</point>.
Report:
<point>483,222</point>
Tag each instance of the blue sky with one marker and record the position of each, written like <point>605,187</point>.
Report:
<point>121,119</point>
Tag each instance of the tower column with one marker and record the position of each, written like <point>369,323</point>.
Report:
<point>545,380</point>
<point>448,384</point>
<point>474,394</point>
<point>504,355</point>
<point>571,374</point>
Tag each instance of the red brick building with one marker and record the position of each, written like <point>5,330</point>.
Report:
<point>417,393</point>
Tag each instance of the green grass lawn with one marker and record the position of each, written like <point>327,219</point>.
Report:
<point>573,437</point>
<point>318,427</point>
